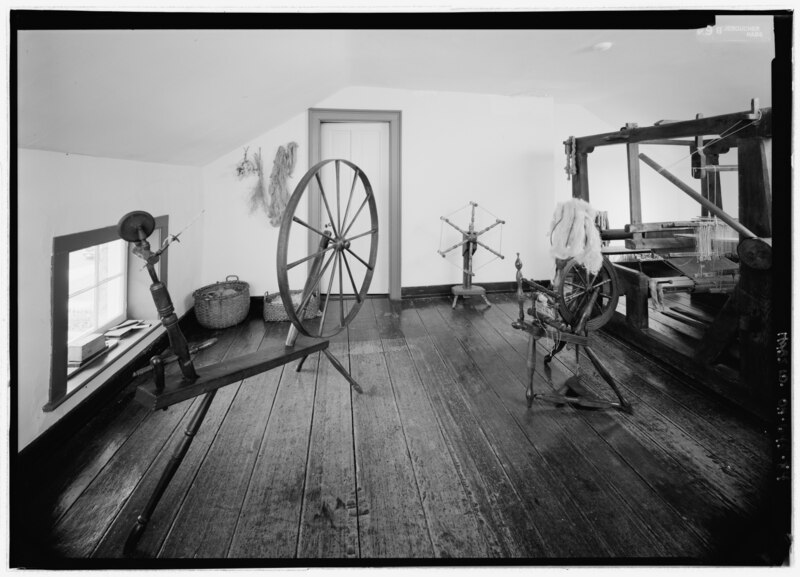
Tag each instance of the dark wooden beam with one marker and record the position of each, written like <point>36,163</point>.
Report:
<point>756,334</point>
<point>711,145</point>
<point>688,128</point>
<point>580,182</point>
<point>755,194</point>
<point>634,285</point>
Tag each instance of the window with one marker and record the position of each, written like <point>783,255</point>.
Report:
<point>95,287</point>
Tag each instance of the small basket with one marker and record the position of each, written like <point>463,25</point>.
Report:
<point>222,304</point>
<point>274,311</point>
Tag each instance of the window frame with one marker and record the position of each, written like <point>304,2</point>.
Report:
<point>59,297</point>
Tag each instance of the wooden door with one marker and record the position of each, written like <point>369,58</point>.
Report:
<point>367,145</point>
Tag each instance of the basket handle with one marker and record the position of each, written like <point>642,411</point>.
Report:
<point>231,276</point>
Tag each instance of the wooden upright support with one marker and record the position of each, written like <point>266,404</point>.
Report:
<point>757,356</point>
<point>634,181</point>
<point>580,184</point>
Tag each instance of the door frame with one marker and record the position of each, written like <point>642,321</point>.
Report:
<point>318,116</point>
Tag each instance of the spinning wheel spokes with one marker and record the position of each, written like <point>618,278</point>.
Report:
<point>575,288</point>
<point>337,248</point>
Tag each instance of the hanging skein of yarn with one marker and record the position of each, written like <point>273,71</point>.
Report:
<point>278,193</point>
<point>574,234</point>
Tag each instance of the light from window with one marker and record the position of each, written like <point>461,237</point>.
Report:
<point>97,288</point>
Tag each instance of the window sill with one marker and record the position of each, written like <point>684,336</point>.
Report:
<point>126,349</point>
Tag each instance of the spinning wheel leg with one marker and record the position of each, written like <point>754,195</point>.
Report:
<point>339,367</point>
<point>531,365</point>
<point>455,301</point>
<point>601,368</point>
<point>169,472</point>
<point>335,362</point>
<point>551,355</point>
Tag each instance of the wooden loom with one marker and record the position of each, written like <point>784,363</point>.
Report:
<point>335,244</point>
<point>743,275</point>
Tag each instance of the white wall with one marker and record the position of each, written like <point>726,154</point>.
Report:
<point>62,194</point>
<point>608,173</point>
<point>237,241</point>
<point>492,150</point>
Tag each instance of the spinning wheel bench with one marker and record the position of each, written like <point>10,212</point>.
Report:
<point>305,336</point>
<point>580,302</point>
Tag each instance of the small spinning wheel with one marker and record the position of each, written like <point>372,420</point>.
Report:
<point>574,286</point>
<point>585,302</point>
<point>346,246</point>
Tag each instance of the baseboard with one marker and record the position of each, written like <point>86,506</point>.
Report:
<point>443,290</point>
<point>446,290</point>
<point>38,450</point>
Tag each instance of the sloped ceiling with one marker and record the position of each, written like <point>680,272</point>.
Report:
<point>190,96</point>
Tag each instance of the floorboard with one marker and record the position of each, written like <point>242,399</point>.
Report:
<point>557,517</point>
<point>329,522</point>
<point>453,527</point>
<point>438,458</point>
<point>230,344</point>
<point>204,523</point>
<point>391,517</point>
<point>672,469</point>
<point>506,527</point>
<point>269,522</point>
<point>605,510</point>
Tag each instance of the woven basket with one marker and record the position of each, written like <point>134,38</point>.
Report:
<point>222,304</point>
<point>274,310</point>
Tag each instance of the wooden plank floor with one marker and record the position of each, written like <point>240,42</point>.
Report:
<point>438,458</point>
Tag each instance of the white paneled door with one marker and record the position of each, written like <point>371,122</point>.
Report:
<point>366,144</point>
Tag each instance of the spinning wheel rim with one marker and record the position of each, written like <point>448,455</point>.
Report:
<point>571,305</point>
<point>338,248</point>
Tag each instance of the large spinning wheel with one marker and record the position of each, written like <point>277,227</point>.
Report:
<point>574,286</point>
<point>345,247</point>
<point>347,241</point>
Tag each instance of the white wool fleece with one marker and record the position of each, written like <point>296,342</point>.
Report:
<point>573,234</point>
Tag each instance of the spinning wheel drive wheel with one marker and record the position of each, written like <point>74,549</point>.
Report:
<point>344,247</point>
<point>574,290</point>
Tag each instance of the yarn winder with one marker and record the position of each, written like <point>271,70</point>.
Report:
<point>306,336</point>
<point>470,244</point>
